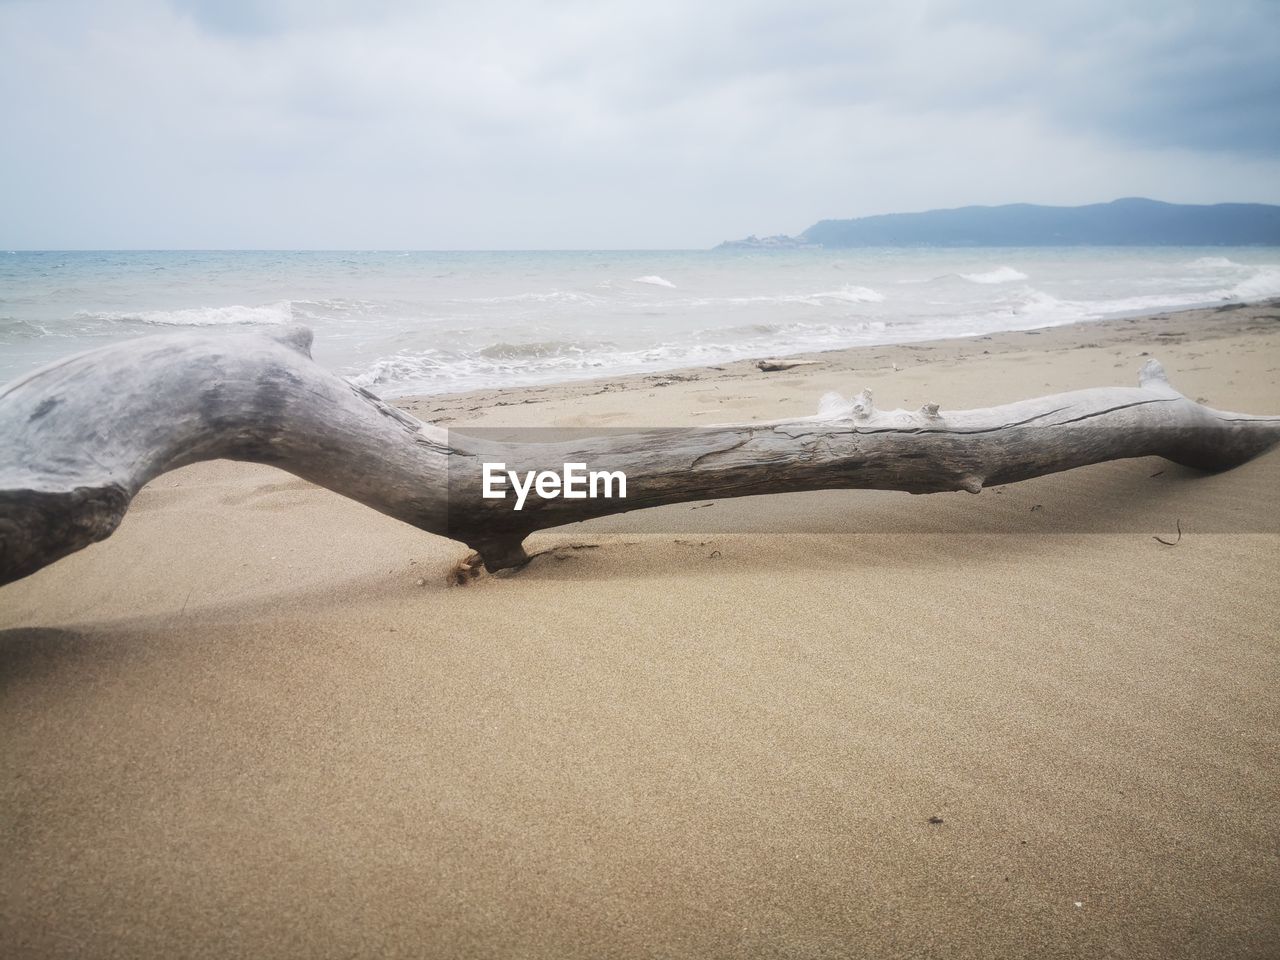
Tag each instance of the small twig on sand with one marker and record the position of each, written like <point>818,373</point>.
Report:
<point>1171,543</point>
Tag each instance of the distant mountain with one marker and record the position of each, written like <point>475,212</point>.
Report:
<point>1132,221</point>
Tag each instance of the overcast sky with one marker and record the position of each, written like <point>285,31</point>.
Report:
<point>395,124</point>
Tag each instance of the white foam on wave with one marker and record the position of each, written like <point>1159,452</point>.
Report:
<point>1049,310</point>
<point>792,332</point>
<point>850,293</point>
<point>267,314</point>
<point>334,307</point>
<point>654,280</point>
<point>1265,282</point>
<point>548,296</point>
<point>1262,283</point>
<point>536,350</point>
<point>1027,310</point>
<point>434,370</point>
<point>404,370</point>
<point>1212,263</point>
<point>1000,274</point>
<point>1143,302</point>
<point>1037,306</point>
<point>11,328</point>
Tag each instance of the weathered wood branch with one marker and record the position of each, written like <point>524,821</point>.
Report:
<point>774,366</point>
<point>80,437</point>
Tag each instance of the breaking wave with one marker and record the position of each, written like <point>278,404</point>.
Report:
<point>12,328</point>
<point>655,281</point>
<point>1265,282</point>
<point>550,296</point>
<point>1211,263</point>
<point>269,314</point>
<point>998,275</point>
<point>436,370</point>
<point>530,351</point>
<point>849,293</point>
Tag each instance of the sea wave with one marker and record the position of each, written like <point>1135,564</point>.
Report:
<point>13,329</point>
<point>1000,274</point>
<point>336,307</point>
<point>408,367</point>
<point>1142,302</point>
<point>1265,282</point>
<point>654,280</point>
<point>850,293</point>
<point>1044,309</point>
<point>547,296</point>
<point>1212,263</point>
<point>1027,309</point>
<point>267,314</point>
<point>538,349</point>
<point>813,333</point>
<point>435,370</point>
<point>1037,305</point>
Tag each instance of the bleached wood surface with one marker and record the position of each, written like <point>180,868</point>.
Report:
<point>80,437</point>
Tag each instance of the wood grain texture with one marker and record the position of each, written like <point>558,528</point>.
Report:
<point>80,437</point>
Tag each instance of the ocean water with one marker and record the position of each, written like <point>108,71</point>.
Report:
<point>431,322</point>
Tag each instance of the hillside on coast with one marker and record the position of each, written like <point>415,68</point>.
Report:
<point>1133,221</point>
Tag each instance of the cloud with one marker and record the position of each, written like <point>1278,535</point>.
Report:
<point>523,124</point>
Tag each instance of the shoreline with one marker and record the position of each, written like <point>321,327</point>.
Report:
<point>1216,322</point>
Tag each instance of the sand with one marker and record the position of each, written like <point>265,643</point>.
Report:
<point>257,722</point>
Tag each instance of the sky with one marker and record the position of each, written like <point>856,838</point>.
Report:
<point>389,124</point>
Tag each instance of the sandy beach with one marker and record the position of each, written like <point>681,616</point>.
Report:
<point>258,721</point>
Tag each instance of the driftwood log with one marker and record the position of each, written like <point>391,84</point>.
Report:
<point>80,437</point>
<point>774,366</point>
